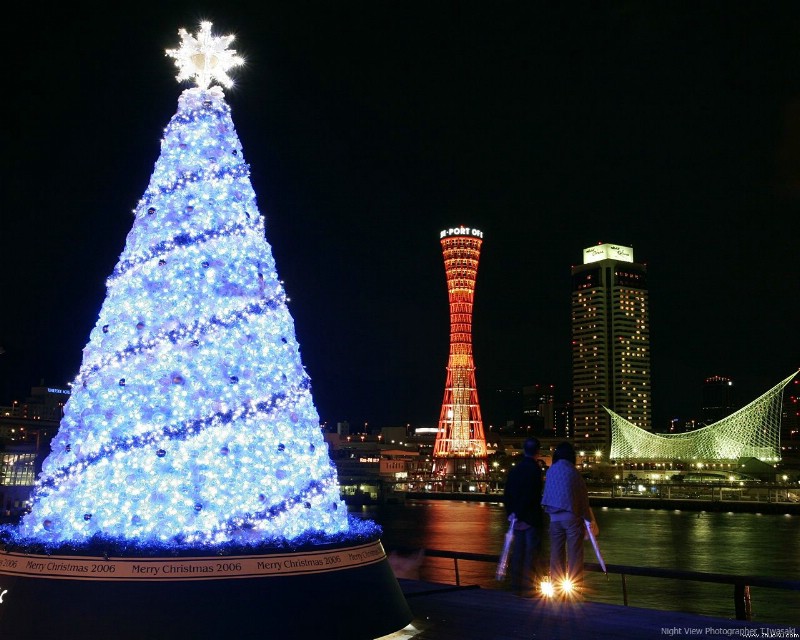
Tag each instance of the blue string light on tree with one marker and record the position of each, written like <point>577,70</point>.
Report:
<point>191,420</point>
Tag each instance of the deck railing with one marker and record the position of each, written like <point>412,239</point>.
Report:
<point>741,584</point>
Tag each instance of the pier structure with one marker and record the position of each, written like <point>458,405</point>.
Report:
<point>460,447</point>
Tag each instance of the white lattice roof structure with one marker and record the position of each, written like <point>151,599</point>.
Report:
<point>751,432</point>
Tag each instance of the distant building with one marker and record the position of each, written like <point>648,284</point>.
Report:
<point>790,423</point>
<point>610,344</point>
<point>539,405</point>
<point>718,399</point>
<point>502,405</point>
<point>26,429</point>
<point>564,419</point>
<point>373,469</point>
<point>43,403</point>
<point>393,436</point>
<point>679,425</point>
<point>343,428</point>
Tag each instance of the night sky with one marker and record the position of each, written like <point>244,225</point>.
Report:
<point>673,128</point>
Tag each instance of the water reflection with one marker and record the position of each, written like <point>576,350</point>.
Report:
<point>742,544</point>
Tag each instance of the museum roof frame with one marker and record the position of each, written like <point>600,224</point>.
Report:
<point>751,432</point>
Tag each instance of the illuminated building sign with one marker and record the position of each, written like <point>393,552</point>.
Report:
<point>460,231</point>
<point>607,252</point>
<point>65,392</point>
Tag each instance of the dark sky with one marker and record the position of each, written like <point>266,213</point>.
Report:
<point>673,128</point>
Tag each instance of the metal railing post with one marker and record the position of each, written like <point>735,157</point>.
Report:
<point>624,590</point>
<point>741,600</point>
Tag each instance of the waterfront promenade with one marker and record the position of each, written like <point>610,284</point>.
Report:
<point>665,559</point>
<point>448,612</point>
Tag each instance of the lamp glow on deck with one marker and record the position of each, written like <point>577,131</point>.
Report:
<point>568,587</point>
<point>564,589</point>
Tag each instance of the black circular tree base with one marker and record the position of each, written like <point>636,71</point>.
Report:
<point>342,591</point>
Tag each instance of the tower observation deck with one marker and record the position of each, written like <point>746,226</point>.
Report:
<point>460,447</point>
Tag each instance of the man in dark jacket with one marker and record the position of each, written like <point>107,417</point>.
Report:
<point>522,499</point>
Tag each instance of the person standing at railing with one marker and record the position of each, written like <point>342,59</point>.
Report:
<point>522,499</point>
<point>566,501</point>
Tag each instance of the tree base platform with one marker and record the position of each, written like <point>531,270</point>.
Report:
<point>342,591</point>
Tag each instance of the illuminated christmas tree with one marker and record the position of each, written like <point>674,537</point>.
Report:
<point>191,420</point>
<point>189,492</point>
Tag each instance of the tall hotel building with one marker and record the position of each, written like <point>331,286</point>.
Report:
<point>610,344</point>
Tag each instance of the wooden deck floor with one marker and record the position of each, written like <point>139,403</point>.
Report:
<point>447,612</point>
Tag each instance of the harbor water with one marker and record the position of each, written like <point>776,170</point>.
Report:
<point>711,542</point>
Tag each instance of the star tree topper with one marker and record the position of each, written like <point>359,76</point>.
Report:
<point>204,58</point>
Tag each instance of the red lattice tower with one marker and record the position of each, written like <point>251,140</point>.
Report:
<point>460,447</point>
